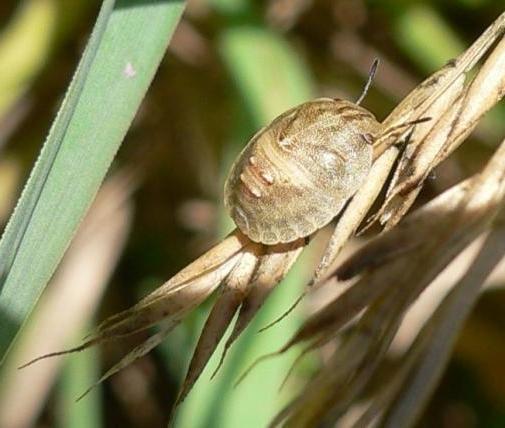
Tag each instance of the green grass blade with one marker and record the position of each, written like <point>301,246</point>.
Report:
<point>80,372</point>
<point>119,62</point>
<point>267,71</point>
<point>14,233</point>
<point>422,25</point>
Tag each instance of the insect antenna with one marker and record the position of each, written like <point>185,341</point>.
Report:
<point>371,75</point>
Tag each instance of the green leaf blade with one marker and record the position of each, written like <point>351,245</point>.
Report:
<point>123,53</point>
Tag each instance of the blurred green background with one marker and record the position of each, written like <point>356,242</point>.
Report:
<point>232,66</point>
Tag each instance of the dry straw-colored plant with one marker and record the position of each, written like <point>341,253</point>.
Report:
<point>394,268</point>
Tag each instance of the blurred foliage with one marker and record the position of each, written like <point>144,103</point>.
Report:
<point>231,67</point>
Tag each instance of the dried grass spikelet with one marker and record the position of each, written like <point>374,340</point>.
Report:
<point>168,304</point>
<point>441,98</point>
<point>400,264</point>
<point>395,268</point>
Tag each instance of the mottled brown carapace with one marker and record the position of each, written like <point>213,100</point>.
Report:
<point>296,174</point>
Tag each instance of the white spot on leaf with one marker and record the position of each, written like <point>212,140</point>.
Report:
<point>129,71</point>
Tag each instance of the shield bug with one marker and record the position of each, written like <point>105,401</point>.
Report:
<point>296,174</point>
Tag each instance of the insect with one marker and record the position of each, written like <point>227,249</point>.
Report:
<point>296,174</point>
